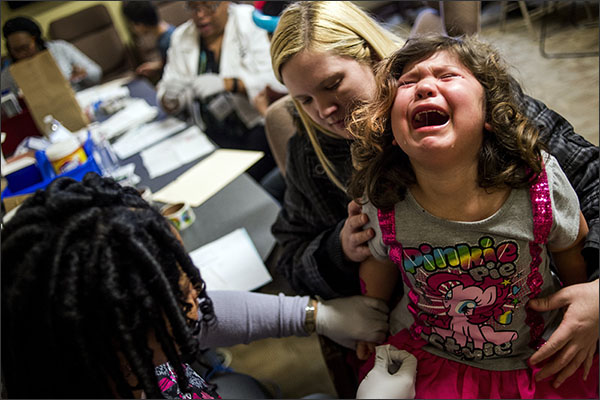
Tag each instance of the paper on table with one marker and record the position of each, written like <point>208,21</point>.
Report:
<point>231,263</point>
<point>172,153</point>
<point>207,177</point>
<point>107,92</point>
<point>146,135</point>
<point>135,113</point>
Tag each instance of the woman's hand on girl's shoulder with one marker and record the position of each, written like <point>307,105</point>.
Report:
<point>353,237</point>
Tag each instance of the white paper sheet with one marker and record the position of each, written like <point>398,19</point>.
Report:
<point>89,96</point>
<point>135,113</point>
<point>146,135</point>
<point>206,178</point>
<point>172,153</point>
<point>231,263</point>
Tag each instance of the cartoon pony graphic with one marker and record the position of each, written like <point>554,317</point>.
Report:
<point>469,305</point>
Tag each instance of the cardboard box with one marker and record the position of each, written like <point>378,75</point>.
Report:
<point>13,201</point>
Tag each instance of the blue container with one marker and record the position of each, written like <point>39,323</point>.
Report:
<point>22,173</point>
<point>47,174</point>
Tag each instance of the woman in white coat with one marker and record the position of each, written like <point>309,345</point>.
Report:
<point>216,63</point>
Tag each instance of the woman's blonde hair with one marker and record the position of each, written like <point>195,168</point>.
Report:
<point>336,27</point>
<point>510,153</point>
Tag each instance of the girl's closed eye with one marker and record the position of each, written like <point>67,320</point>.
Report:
<point>405,83</point>
<point>448,75</point>
<point>335,85</point>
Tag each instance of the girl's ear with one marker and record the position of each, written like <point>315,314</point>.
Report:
<point>488,126</point>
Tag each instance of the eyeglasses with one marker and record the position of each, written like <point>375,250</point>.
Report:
<point>207,7</point>
<point>23,49</point>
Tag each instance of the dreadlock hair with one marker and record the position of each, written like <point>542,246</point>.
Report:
<point>510,154</point>
<point>89,270</point>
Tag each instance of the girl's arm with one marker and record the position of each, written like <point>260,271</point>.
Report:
<point>569,262</point>
<point>377,279</point>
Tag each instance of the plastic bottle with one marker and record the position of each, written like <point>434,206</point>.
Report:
<point>103,153</point>
<point>66,155</point>
<point>55,131</point>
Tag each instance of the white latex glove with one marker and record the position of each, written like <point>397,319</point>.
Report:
<point>381,384</point>
<point>206,85</point>
<point>348,319</point>
<point>174,93</point>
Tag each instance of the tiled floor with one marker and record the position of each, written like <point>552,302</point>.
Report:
<point>569,86</point>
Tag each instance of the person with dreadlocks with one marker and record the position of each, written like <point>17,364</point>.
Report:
<point>100,299</point>
<point>24,40</point>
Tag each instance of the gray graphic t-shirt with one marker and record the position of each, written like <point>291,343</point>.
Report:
<point>468,280</point>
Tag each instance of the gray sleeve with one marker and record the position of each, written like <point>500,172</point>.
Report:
<point>243,317</point>
<point>565,207</point>
<point>376,245</point>
<point>7,82</point>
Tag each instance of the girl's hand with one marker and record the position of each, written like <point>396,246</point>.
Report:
<point>574,341</point>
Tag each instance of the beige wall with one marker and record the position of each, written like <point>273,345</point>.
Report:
<point>44,12</point>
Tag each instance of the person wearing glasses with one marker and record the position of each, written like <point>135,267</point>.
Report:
<point>24,40</point>
<point>217,62</point>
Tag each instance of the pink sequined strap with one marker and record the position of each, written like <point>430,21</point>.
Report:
<point>387,223</point>
<point>541,206</point>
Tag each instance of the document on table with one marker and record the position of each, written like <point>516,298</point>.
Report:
<point>103,93</point>
<point>172,153</point>
<point>231,263</point>
<point>135,113</point>
<point>146,135</point>
<point>206,178</point>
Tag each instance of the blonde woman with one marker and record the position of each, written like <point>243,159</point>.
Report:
<point>325,52</point>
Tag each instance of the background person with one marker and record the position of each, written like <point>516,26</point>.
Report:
<point>454,18</point>
<point>100,300</point>
<point>321,234</point>
<point>144,21</point>
<point>217,62</point>
<point>24,39</point>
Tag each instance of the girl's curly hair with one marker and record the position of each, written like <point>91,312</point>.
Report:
<point>510,154</point>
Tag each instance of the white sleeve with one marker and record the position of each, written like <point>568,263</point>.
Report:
<point>76,57</point>
<point>176,78</point>
<point>256,71</point>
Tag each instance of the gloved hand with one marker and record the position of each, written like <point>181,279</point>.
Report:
<point>381,384</point>
<point>206,85</point>
<point>348,319</point>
